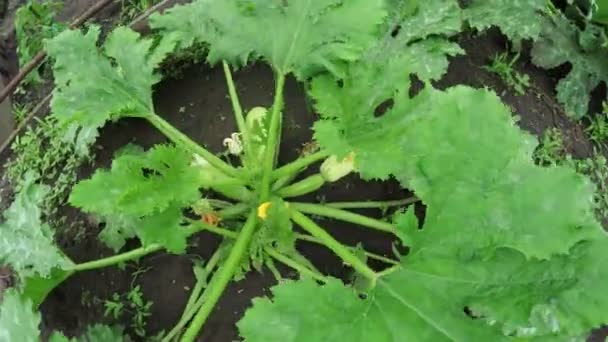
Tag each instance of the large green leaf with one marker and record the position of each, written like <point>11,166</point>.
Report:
<point>142,195</point>
<point>477,297</point>
<point>18,320</point>
<point>140,184</point>
<point>517,19</point>
<point>94,86</point>
<point>26,243</point>
<point>443,145</point>
<point>507,248</point>
<point>563,42</point>
<point>299,36</point>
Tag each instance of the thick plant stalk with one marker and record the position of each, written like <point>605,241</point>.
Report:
<point>223,276</point>
<point>299,164</point>
<point>273,139</point>
<point>181,139</point>
<point>115,259</point>
<point>342,251</point>
<point>303,187</point>
<point>343,215</point>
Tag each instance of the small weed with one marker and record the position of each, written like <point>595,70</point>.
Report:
<point>20,112</point>
<point>598,127</point>
<point>130,9</point>
<point>43,150</point>
<point>551,150</point>
<point>132,303</point>
<point>35,22</point>
<point>596,168</point>
<point>114,307</point>
<point>503,67</point>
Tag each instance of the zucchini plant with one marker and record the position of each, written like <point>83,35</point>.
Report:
<point>507,250</point>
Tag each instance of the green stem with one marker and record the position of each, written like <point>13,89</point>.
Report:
<point>223,276</point>
<point>115,259</point>
<point>333,244</point>
<point>282,182</point>
<point>303,270</point>
<point>233,211</point>
<point>198,288</point>
<point>233,235</point>
<point>236,105</point>
<point>180,138</point>
<point>195,297</point>
<point>220,231</point>
<point>303,187</point>
<point>372,204</point>
<point>343,215</point>
<point>299,164</point>
<point>273,139</point>
<point>370,255</point>
<point>389,270</point>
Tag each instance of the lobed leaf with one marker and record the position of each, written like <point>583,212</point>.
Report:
<point>295,36</point>
<point>142,195</point>
<point>140,184</point>
<point>18,320</point>
<point>469,298</point>
<point>507,248</point>
<point>517,19</point>
<point>559,44</point>
<point>26,243</point>
<point>94,86</point>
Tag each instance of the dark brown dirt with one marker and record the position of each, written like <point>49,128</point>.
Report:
<point>538,108</point>
<point>197,104</point>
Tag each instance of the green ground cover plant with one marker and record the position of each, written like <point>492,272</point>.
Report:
<point>35,22</point>
<point>507,250</point>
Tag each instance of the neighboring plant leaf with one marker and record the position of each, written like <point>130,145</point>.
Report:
<point>26,244</point>
<point>140,184</point>
<point>18,320</point>
<point>559,43</point>
<point>517,19</point>
<point>35,22</point>
<point>299,36</point>
<point>93,87</point>
<point>416,38</point>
